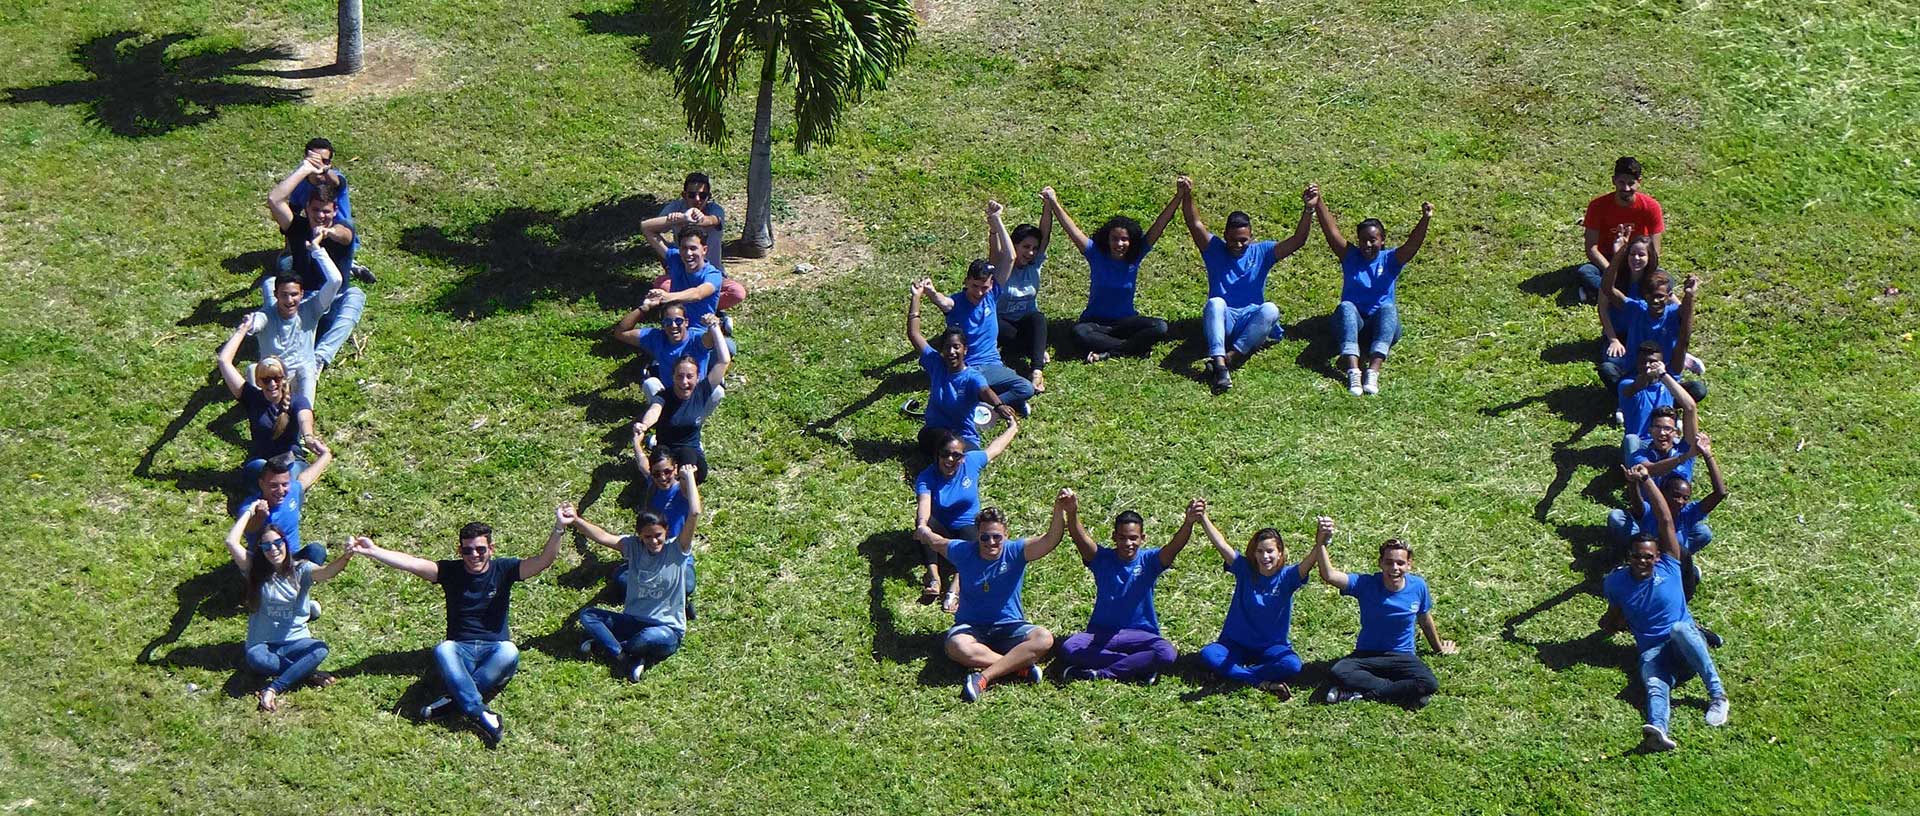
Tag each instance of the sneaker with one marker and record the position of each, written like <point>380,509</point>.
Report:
<point>1714,641</point>
<point>1152,679</point>
<point>726,324</point>
<point>490,727</point>
<point>1694,365</point>
<point>1278,689</point>
<point>1653,740</point>
<point>1034,675</point>
<point>361,273</point>
<point>1026,410</point>
<point>1587,295</point>
<point>1337,695</point>
<point>586,647</point>
<point>1277,333</point>
<point>970,688</point>
<point>1373,382</point>
<point>639,668</point>
<point>913,408</point>
<point>689,610</point>
<point>1619,418</point>
<point>1079,673</point>
<point>650,441</point>
<point>436,709</point>
<point>1717,712</point>
<point>1222,380</point>
<point>1353,382</point>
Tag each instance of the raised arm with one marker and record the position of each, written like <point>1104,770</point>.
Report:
<point>223,359</point>
<point>394,559</point>
<point>1685,338</point>
<point>562,517</point>
<point>722,353</point>
<point>327,571</point>
<point>691,488</point>
<point>237,536</point>
<point>1336,242</point>
<point>1418,237</point>
<point>1052,203</point>
<point>655,231</point>
<point>1166,217</point>
<point>999,444</point>
<point>331,279</point>
<point>999,243</point>
<point>1719,493</point>
<point>277,205</point>
<point>1038,548</point>
<point>918,340</point>
<point>319,467</point>
<point>1181,536</point>
<point>1196,229</point>
<point>1322,536</point>
<point>1662,513</point>
<point>1689,412</point>
<point>628,329</point>
<point>1298,239</point>
<point>1339,580</point>
<point>1609,297</point>
<point>1046,228</point>
<point>1082,542</point>
<point>647,420</point>
<point>595,533</point>
<point>1214,537</point>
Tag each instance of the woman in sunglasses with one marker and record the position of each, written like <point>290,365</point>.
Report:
<point>677,413</point>
<point>279,588</point>
<point>947,499</point>
<point>278,417</point>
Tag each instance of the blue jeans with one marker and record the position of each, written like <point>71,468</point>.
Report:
<point>1383,325</point>
<point>288,662</point>
<point>625,636</point>
<point>1246,327</point>
<point>475,670</point>
<point>1628,444</point>
<point>1012,388</point>
<point>1274,664</point>
<point>1669,663</point>
<point>1590,276</point>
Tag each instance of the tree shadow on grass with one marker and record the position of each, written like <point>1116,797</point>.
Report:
<point>229,657</point>
<point>137,89</point>
<point>522,255</point>
<point>657,31</point>
<point>616,405</point>
<point>1321,347</point>
<point>892,381</point>
<point>1561,284</point>
<point>1570,351</point>
<point>894,556</point>
<point>226,426</point>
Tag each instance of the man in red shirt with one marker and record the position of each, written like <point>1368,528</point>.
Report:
<point>1625,205</point>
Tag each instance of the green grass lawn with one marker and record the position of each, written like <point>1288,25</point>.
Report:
<point>498,184</point>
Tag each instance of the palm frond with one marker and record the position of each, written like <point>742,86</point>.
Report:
<point>719,35</point>
<point>836,50</point>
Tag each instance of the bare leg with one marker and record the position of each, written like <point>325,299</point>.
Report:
<point>970,653</point>
<point>1015,662</point>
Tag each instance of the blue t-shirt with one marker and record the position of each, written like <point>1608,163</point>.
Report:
<point>1019,296</point>
<point>951,395</point>
<point>1261,612</point>
<point>285,518</point>
<point>1110,284</point>
<point>1387,618</point>
<point>1123,591</point>
<point>981,323</point>
<point>989,590</point>
<point>684,279</point>
<point>1636,409</point>
<point>477,604</point>
<point>1239,281</point>
<point>1647,455</point>
<point>955,499</point>
<point>672,505</point>
<point>714,240</point>
<point>665,352</point>
<point>1651,606</point>
<point>1683,521</point>
<point>297,200</point>
<point>1645,322</point>
<point>261,416</point>
<point>1367,284</point>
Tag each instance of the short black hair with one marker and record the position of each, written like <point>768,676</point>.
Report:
<point>696,234</point>
<point>1635,541</point>
<point>697,177</point>
<point>1238,219</point>
<point>285,278</point>
<point>325,191</point>
<point>661,454</point>
<point>1664,411</point>
<point>991,515</point>
<point>980,269</point>
<point>1025,231</point>
<point>277,465</point>
<point>949,335</point>
<point>319,143</point>
<point>1129,517</point>
<point>1647,347</point>
<point>1626,166</point>
<point>649,518</point>
<point>476,529</point>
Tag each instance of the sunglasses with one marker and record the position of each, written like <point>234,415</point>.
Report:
<point>953,455</point>
<point>667,471</point>
<point>265,380</point>
<point>698,195</point>
<point>465,550</point>
<point>673,321</point>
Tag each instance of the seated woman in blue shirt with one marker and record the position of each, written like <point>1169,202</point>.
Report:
<point>1255,647</point>
<point>1368,272</point>
<point>278,417</point>
<point>947,498</point>
<point>1110,325</point>
<point>953,387</point>
<point>1647,312</point>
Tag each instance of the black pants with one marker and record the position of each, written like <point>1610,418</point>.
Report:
<point>1393,677</point>
<point>1128,335</point>
<point>1025,337</point>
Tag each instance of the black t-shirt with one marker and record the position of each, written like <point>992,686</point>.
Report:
<point>682,419</point>
<point>477,604</point>
<point>297,235</point>
<point>261,416</point>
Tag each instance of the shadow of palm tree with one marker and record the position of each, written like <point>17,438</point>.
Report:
<point>522,255</point>
<point>653,24</point>
<point>138,89</point>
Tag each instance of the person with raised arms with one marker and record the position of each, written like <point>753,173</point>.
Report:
<point>1645,597</point>
<point>277,418</point>
<point>953,387</point>
<point>663,493</point>
<point>1689,517</point>
<point>1122,640</point>
<point>317,225</point>
<point>651,624</point>
<point>1385,665</point>
<point>1659,318</point>
<point>1023,327</point>
<point>1256,645</point>
<point>1237,317</point>
<point>279,644</point>
<point>478,657</point>
<point>974,311</point>
<point>666,344</point>
<point>705,214</point>
<point>1110,325</point>
<point>677,414</point>
<point>991,636</point>
<point>692,280</point>
<point>1653,392</point>
<point>947,499</point>
<point>1613,218</point>
<point>1369,272</point>
<point>280,498</point>
<point>286,328</point>
<point>1666,451</point>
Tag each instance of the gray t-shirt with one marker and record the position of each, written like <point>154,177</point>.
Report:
<point>291,338</point>
<point>713,232</point>
<point>1017,297</point>
<point>656,584</point>
<point>282,614</point>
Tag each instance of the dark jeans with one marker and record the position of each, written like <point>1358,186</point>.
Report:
<point>1025,337</point>
<point>1393,677</point>
<point>1128,335</point>
<point>1012,388</point>
<point>629,638</point>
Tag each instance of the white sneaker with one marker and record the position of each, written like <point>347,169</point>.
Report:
<point>586,646</point>
<point>1717,712</point>
<point>1353,382</point>
<point>1654,740</point>
<point>639,668</point>
<point>1694,365</point>
<point>1619,418</point>
<point>1373,382</point>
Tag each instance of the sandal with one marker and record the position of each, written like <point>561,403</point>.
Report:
<point>1039,379</point>
<point>1278,689</point>
<point>929,589</point>
<point>952,602</point>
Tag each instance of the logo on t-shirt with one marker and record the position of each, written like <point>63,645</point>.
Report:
<point>967,483</point>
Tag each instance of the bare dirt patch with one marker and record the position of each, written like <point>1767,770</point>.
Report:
<point>813,241</point>
<point>392,63</point>
<point>947,16</point>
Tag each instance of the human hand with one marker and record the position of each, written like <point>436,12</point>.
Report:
<point>1046,194</point>
<point>1183,184</point>
<point>1692,285</point>
<point>1638,473</point>
<point>1070,499</point>
<point>1702,442</point>
<point>688,471</point>
<point>1615,348</point>
<point>693,216</point>
<point>315,442</point>
<point>564,515</point>
<point>1196,507</point>
<point>1311,195</point>
<point>652,299</point>
<point>639,430</point>
<point>994,208</point>
<point>259,509</point>
<point>1007,412</point>
<point>1447,647</point>
<point>710,320</point>
<point>1323,530</point>
<point>1426,209</point>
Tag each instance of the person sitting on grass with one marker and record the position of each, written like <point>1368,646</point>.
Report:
<point>651,624</point>
<point>954,388</point>
<point>1384,664</point>
<point>279,607</point>
<point>1665,452</point>
<point>1689,520</point>
<point>277,418</point>
<point>1645,396</point>
<point>1625,208</point>
<point>478,656</point>
<point>676,415</point>
<point>1237,312</point>
<point>991,637</point>
<point>672,341</point>
<point>1110,325</point>
<point>706,215</point>
<point>1122,640</point>
<point>286,328</point>
<point>947,499</point>
<point>282,492</point>
<point>692,280</point>
<point>1369,272</point>
<point>1255,647</point>
<point>317,225</point>
<point>973,311</point>
<point>1023,328</point>
<point>1645,597</point>
<point>1660,319</point>
<point>664,492</point>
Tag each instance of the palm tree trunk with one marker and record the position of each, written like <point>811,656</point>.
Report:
<point>757,238</point>
<point>347,54</point>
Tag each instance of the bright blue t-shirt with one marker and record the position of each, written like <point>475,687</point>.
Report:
<point>665,352</point>
<point>989,590</point>
<point>1646,455</point>
<point>951,395</point>
<point>1651,606</point>
<point>1261,612</point>
<point>672,505</point>
<point>285,518</point>
<point>1110,284</point>
<point>1683,520</point>
<point>1123,591</point>
<point>955,499</point>
<point>1644,322</point>
<point>1367,284</point>
<point>1636,409</point>
<point>684,279</point>
<point>1387,618</point>
<point>1239,281</point>
<point>1019,296</point>
<point>981,323</point>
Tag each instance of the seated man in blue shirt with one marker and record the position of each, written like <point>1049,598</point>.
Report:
<point>991,636</point>
<point>1237,312</point>
<point>1384,665</point>
<point>1122,640</point>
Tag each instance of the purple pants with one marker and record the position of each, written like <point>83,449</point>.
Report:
<point>1125,654</point>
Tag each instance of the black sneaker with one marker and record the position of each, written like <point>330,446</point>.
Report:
<point>362,274</point>
<point>1713,640</point>
<point>1079,673</point>
<point>913,408</point>
<point>490,727</point>
<point>1221,379</point>
<point>436,709</point>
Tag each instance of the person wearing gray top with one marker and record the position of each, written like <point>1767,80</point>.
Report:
<point>279,604</point>
<point>651,624</point>
<point>1023,328</point>
<point>287,330</point>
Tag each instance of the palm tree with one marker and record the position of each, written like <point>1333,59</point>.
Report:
<point>347,51</point>
<point>833,50</point>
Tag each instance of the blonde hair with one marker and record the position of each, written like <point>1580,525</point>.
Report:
<point>272,366</point>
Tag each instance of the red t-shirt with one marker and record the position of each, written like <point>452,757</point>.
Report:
<point>1605,215</point>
